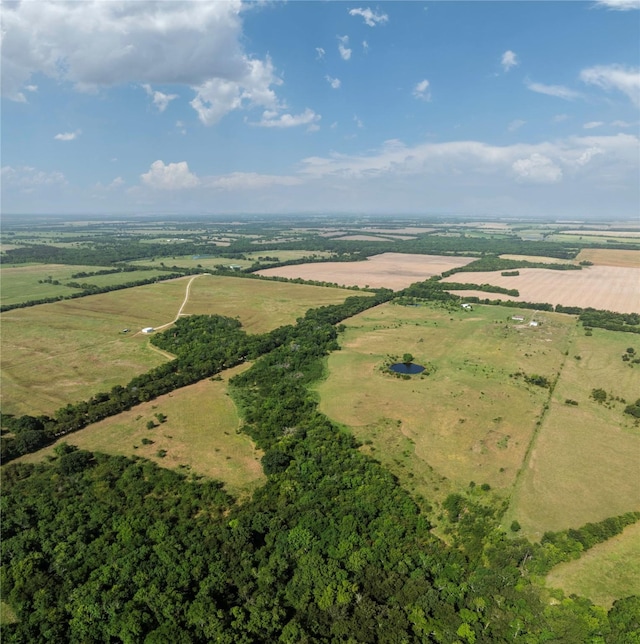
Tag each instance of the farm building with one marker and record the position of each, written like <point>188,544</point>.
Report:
<point>467,306</point>
<point>148,329</point>
<point>518,318</point>
<point>533,323</point>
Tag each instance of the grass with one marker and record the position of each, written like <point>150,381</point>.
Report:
<point>584,463</point>
<point>607,572</point>
<point>63,352</point>
<point>199,435</point>
<point>23,283</point>
<point>466,421</point>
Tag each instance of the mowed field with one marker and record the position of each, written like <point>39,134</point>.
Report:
<point>54,354</point>
<point>607,257</point>
<point>584,462</point>
<point>199,435</point>
<point>388,270</point>
<point>469,420</point>
<point>607,572</point>
<point>613,288</point>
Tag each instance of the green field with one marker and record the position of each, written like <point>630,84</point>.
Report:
<point>607,572</point>
<point>466,421</point>
<point>63,352</point>
<point>199,435</point>
<point>584,464</point>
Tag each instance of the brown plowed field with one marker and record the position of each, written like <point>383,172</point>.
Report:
<point>388,270</point>
<point>612,288</point>
<point>609,257</point>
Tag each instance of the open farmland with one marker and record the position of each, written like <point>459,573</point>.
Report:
<point>605,573</point>
<point>387,270</point>
<point>584,462</point>
<point>199,435</point>
<point>469,420</point>
<point>63,352</point>
<point>602,287</point>
<point>610,257</point>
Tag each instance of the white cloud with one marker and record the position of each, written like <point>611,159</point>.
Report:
<point>371,18</point>
<point>618,5</point>
<point>95,44</point>
<point>509,60</point>
<point>559,118</point>
<point>334,82</point>
<point>515,125</point>
<point>118,182</point>
<point>31,88</point>
<point>587,155</point>
<point>357,121</point>
<point>536,169</point>
<point>619,123</point>
<point>160,100</point>
<point>274,119</point>
<point>608,77</point>
<point>559,91</point>
<point>27,178</point>
<point>320,53</point>
<point>67,136</point>
<point>592,124</point>
<point>345,52</point>
<point>421,90</point>
<point>173,176</point>
<point>365,46</point>
<point>250,181</point>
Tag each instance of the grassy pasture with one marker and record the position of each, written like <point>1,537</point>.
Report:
<point>259,304</point>
<point>21,283</point>
<point>609,571</point>
<point>466,421</point>
<point>64,352</point>
<point>584,463</point>
<point>199,435</point>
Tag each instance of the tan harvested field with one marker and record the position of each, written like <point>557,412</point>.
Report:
<point>362,238</point>
<point>466,421</point>
<point>199,435</point>
<point>584,461</point>
<point>54,354</point>
<point>610,257</point>
<point>602,287</point>
<point>609,571</point>
<point>388,270</point>
<point>537,258</point>
<point>407,230</point>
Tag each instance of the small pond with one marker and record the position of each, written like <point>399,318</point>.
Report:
<point>402,367</point>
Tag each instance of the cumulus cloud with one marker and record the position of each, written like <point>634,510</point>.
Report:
<point>160,100</point>
<point>618,5</point>
<point>370,17</point>
<point>559,91</point>
<point>509,60</point>
<point>274,119</point>
<point>320,52</point>
<point>421,90</point>
<point>345,52</point>
<point>27,178</point>
<point>172,176</point>
<point>537,169</point>
<point>614,77</point>
<point>67,136</point>
<point>592,124</point>
<point>334,82</point>
<point>95,44</point>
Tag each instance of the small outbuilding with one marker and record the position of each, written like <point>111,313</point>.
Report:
<point>517,318</point>
<point>467,306</point>
<point>148,329</point>
<point>533,323</point>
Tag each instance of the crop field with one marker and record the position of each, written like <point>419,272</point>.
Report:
<point>54,354</point>
<point>608,571</point>
<point>389,270</point>
<point>613,288</point>
<point>610,257</point>
<point>584,462</point>
<point>591,237</point>
<point>199,435</point>
<point>469,419</point>
<point>540,259</point>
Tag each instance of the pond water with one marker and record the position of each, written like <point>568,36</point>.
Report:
<point>411,369</point>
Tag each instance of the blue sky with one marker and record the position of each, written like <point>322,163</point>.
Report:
<point>481,108</point>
